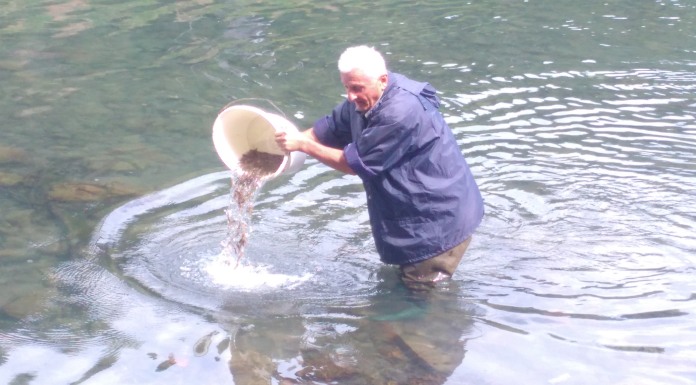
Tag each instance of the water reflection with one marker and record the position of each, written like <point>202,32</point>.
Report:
<point>393,336</point>
<point>576,117</point>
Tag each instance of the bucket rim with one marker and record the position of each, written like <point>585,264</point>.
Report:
<point>284,164</point>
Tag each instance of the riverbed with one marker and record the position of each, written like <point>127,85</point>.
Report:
<point>578,120</point>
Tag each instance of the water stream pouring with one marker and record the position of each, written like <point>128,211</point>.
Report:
<point>239,129</point>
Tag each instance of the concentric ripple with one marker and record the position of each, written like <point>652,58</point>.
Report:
<point>170,243</point>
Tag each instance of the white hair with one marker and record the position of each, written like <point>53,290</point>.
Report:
<point>363,58</point>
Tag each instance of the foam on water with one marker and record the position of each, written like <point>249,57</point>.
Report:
<point>248,276</point>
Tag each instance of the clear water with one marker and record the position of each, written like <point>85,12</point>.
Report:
<point>577,118</point>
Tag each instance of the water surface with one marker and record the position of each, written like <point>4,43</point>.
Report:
<point>577,119</point>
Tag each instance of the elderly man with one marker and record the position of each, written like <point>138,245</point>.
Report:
<point>423,202</point>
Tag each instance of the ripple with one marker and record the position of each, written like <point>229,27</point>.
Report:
<point>169,243</point>
<point>587,179</point>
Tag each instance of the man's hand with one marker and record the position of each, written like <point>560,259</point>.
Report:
<point>290,141</point>
<point>307,142</point>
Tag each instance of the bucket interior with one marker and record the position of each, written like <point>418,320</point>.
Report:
<point>240,129</point>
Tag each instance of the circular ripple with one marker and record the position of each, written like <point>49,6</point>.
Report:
<point>170,243</point>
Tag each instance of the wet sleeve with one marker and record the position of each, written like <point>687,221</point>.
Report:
<point>334,130</point>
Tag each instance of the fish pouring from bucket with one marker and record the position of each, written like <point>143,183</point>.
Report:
<point>244,139</point>
<point>254,167</point>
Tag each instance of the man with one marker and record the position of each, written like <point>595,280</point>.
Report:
<point>422,199</point>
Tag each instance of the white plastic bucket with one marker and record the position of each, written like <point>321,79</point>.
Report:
<point>241,128</point>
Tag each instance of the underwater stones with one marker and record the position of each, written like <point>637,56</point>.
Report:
<point>319,366</point>
<point>15,217</point>
<point>14,254</point>
<point>123,166</point>
<point>113,165</point>
<point>12,155</point>
<point>248,364</point>
<point>31,111</point>
<point>71,202</point>
<point>399,360</point>
<point>27,233</point>
<point>251,367</point>
<point>8,179</point>
<point>119,159</point>
<point>438,355</point>
<point>25,305</point>
<point>25,291</point>
<point>27,285</point>
<point>13,64</point>
<point>89,192</point>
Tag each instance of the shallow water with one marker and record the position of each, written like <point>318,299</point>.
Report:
<point>577,119</point>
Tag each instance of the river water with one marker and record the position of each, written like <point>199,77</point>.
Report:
<point>577,119</point>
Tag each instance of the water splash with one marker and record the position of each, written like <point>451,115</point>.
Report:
<point>248,277</point>
<point>246,182</point>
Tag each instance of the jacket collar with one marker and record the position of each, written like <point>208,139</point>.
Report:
<point>391,80</point>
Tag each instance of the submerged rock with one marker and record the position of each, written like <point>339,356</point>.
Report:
<point>31,111</point>
<point>29,233</point>
<point>247,364</point>
<point>9,179</point>
<point>119,157</point>
<point>251,367</point>
<point>319,366</point>
<point>112,165</point>
<point>89,192</point>
<point>12,154</point>
<point>25,305</point>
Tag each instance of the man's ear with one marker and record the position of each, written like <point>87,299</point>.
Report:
<point>383,80</point>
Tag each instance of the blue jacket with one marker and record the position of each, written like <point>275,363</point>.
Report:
<point>421,196</point>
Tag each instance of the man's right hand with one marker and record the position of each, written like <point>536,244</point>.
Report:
<point>307,142</point>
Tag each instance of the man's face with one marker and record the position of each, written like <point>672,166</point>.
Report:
<point>363,90</point>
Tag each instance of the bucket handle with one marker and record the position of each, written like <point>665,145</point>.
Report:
<point>242,100</point>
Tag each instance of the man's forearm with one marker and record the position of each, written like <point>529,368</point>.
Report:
<point>331,157</point>
<point>307,142</point>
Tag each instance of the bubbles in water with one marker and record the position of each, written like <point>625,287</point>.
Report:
<point>244,276</point>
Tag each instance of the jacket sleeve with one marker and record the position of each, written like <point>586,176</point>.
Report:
<point>334,130</point>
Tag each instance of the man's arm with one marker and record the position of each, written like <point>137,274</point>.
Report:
<point>308,143</point>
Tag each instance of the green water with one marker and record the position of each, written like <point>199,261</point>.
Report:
<point>576,117</point>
